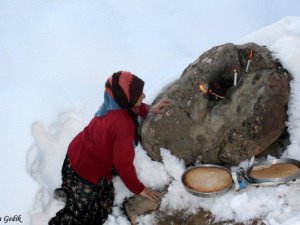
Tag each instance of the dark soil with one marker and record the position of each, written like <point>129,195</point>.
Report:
<point>201,218</point>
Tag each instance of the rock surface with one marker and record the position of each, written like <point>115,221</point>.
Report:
<point>244,121</point>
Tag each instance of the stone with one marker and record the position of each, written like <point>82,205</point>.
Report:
<point>222,123</point>
<point>138,205</point>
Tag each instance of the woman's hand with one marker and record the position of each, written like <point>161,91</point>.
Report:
<point>151,194</point>
<point>160,105</point>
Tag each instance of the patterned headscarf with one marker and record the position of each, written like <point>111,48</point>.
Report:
<point>125,88</point>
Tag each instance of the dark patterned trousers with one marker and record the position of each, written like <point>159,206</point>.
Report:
<point>86,203</point>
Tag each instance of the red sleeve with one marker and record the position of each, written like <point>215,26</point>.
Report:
<point>123,155</point>
<point>143,110</point>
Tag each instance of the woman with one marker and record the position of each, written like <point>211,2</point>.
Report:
<point>107,143</point>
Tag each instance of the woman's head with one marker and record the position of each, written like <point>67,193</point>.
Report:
<point>125,88</point>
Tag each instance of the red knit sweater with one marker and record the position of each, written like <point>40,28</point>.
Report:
<point>106,142</point>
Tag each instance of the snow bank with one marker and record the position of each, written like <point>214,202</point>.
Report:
<point>44,162</point>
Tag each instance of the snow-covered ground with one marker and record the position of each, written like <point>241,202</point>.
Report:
<point>55,57</point>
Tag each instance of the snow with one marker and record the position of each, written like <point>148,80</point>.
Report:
<point>147,219</point>
<point>55,57</point>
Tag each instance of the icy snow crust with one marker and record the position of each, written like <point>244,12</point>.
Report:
<point>277,205</point>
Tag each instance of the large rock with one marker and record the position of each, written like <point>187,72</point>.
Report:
<point>201,126</point>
